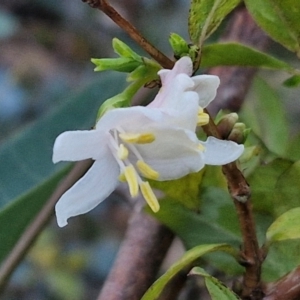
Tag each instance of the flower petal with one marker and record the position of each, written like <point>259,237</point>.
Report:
<point>206,88</point>
<point>173,154</point>
<point>219,152</point>
<point>79,145</point>
<point>183,66</point>
<point>96,185</point>
<point>171,94</point>
<point>129,118</point>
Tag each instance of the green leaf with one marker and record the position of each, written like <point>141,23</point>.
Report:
<point>270,124</point>
<point>293,81</point>
<point>293,148</point>
<point>26,161</point>
<point>17,215</point>
<point>186,262</point>
<point>286,227</point>
<point>124,50</point>
<point>120,64</point>
<point>179,45</point>
<point>265,192</point>
<point>235,54</point>
<point>205,17</point>
<point>288,189</point>
<point>280,19</point>
<point>216,289</point>
<point>184,190</point>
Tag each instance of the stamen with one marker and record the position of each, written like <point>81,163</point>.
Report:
<point>146,170</point>
<point>203,118</point>
<point>131,178</point>
<point>138,138</point>
<point>122,177</point>
<point>149,196</point>
<point>122,152</point>
<point>200,147</point>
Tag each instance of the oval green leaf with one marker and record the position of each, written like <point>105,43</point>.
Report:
<point>285,227</point>
<point>205,17</point>
<point>216,289</point>
<point>235,54</point>
<point>280,19</point>
<point>186,261</point>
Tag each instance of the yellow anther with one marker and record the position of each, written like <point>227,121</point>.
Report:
<point>122,152</point>
<point>122,177</point>
<point>131,178</point>
<point>200,147</point>
<point>146,170</point>
<point>149,196</point>
<point>138,138</point>
<point>203,118</point>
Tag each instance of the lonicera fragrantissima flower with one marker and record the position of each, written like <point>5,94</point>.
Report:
<point>132,144</point>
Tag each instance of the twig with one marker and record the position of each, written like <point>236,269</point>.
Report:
<point>39,223</point>
<point>140,256</point>
<point>102,5</point>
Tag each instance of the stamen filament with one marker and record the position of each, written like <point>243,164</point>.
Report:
<point>146,170</point>
<point>149,196</point>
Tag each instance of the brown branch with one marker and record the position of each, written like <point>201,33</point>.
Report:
<point>102,5</point>
<point>39,223</point>
<point>140,256</point>
<point>286,288</point>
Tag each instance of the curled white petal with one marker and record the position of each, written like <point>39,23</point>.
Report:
<point>78,145</point>
<point>206,87</point>
<point>183,66</point>
<point>96,185</point>
<point>219,152</point>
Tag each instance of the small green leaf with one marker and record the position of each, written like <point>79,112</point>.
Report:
<point>179,45</point>
<point>216,289</point>
<point>293,81</point>
<point>205,17</point>
<point>187,261</point>
<point>235,54</point>
<point>120,64</point>
<point>285,227</point>
<point>124,50</point>
<point>280,19</point>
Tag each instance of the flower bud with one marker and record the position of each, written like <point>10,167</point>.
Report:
<point>226,124</point>
<point>179,45</point>
<point>238,133</point>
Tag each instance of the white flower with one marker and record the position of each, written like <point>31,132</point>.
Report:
<point>132,144</point>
